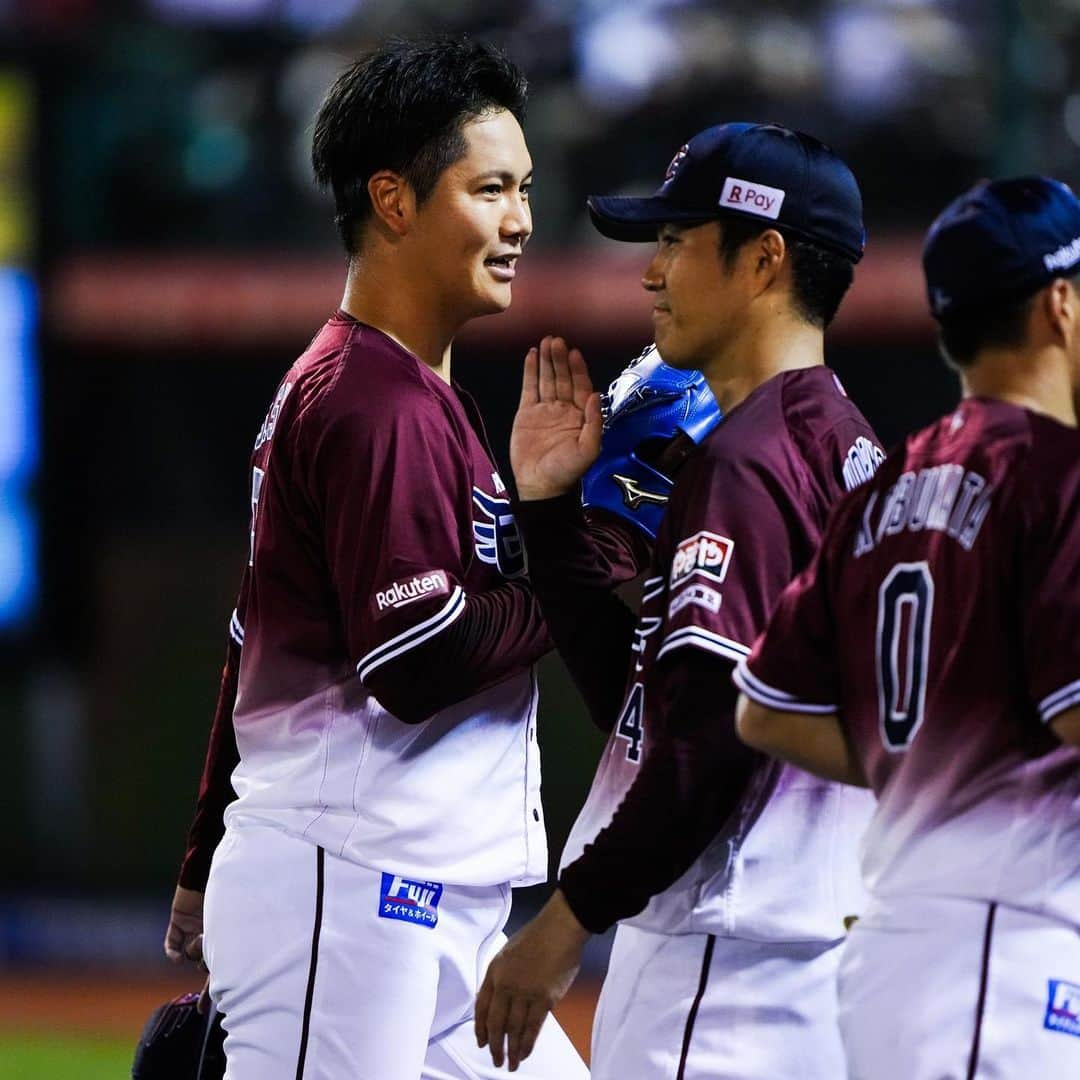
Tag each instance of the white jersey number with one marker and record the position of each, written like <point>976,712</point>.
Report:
<point>630,726</point>
<point>905,611</point>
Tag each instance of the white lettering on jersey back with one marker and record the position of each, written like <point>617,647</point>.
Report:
<point>941,498</point>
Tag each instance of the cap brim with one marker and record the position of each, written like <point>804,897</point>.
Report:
<point>636,220</point>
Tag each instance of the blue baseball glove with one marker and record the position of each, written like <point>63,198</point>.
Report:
<point>654,415</point>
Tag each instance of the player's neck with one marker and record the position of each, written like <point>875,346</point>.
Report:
<point>392,302</point>
<point>759,353</point>
<point>1037,380</point>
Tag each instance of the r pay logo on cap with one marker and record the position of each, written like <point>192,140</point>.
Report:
<point>753,198</point>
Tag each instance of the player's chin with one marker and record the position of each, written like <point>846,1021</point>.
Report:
<point>670,347</point>
<point>493,300</point>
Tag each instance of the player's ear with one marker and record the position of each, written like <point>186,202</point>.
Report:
<point>1060,307</point>
<point>769,250</point>
<point>393,201</point>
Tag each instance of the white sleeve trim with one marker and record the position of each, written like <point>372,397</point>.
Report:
<point>415,635</point>
<point>1059,701</point>
<point>703,639</point>
<point>771,698</point>
<point>236,631</point>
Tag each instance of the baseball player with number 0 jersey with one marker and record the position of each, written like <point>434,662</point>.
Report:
<point>932,651</point>
<point>729,875</point>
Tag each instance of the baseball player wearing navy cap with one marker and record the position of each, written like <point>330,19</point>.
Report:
<point>729,875</point>
<point>932,652</point>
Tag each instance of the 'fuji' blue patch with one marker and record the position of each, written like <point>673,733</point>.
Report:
<point>410,901</point>
<point>1063,1007</point>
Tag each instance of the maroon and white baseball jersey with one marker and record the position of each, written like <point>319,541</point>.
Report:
<point>942,620</point>
<point>746,513</point>
<point>376,514</point>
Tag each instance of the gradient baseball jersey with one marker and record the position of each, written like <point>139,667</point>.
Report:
<point>746,513</point>
<point>942,620</point>
<point>376,512</point>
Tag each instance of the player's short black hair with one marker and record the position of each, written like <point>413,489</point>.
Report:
<point>820,277</point>
<point>403,107</point>
<point>962,335</point>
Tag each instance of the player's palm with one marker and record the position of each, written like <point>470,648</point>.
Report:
<point>556,433</point>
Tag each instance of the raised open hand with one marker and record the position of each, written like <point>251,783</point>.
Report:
<point>556,433</point>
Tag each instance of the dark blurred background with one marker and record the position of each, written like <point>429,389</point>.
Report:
<point>164,257</point>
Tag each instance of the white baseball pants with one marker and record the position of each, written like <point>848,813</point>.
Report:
<point>960,990</point>
<point>316,983</point>
<point>698,1007</point>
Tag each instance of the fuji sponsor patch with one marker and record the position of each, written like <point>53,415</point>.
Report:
<point>704,553</point>
<point>1063,1007</point>
<point>695,593</point>
<point>408,590</point>
<point>410,901</point>
<point>752,198</point>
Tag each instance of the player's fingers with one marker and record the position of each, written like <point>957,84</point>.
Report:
<point>564,382</point>
<point>579,374</point>
<point>174,943</point>
<point>530,393</point>
<point>496,1023</point>
<point>480,1018</point>
<point>515,1024</point>
<point>592,430</point>
<point>546,381</point>
<point>530,1031</point>
<point>193,949</point>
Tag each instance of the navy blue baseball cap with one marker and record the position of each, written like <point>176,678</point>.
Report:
<point>762,172</point>
<point>1002,240</point>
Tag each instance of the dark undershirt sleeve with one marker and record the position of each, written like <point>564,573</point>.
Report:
<point>688,786</point>
<point>573,570</point>
<point>215,788</point>
<point>500,633</point>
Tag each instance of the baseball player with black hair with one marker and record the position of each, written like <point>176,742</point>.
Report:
<point>729,875</point>
<point>377,715</point>
<point>932,651</point>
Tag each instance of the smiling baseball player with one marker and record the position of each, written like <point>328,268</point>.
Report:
<point>380,686</point>
<point>932,650</point>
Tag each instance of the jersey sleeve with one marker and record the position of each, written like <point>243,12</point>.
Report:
<point>222,757</point>
<point>793,664</point>
<point>1050,599</point>
<point>392,490</point>
<point>729,553</point>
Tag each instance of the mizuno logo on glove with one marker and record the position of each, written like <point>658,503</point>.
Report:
<point>634,494</point>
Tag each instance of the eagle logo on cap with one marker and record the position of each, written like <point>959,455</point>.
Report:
<point>676,161</point>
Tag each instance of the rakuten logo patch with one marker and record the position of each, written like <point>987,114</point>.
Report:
<point>704,553</point>
<point>408,590</point>
<point>753,198</point>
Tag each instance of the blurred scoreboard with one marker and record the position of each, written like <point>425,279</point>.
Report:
<point>19,375</point>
